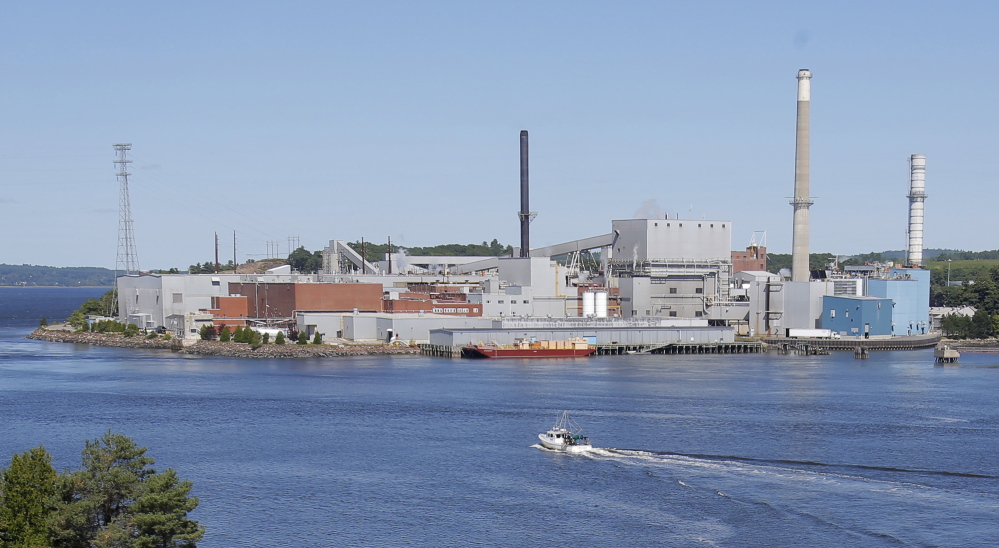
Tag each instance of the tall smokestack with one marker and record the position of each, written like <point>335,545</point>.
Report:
<point>917,194</point>
<point>525,202</point>
<point>802,201</point>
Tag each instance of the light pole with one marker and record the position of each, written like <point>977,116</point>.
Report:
<point>948,272</point>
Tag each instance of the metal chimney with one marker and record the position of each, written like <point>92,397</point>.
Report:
<point>525,202</point>
<point>917,194</point>
<point>802,201</point>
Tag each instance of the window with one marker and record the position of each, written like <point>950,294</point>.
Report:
<point>699,290</point>
<point>178,298</point>
<point>672,291</point>
<point>526,302</point>
<point>672,313</point>
<point>832,314</point>
<point>501,301</point>
<point>698,314</point>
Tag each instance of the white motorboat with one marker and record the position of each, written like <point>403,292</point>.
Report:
<point>565,436</point>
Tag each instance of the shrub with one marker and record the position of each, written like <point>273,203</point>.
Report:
<point>266,339</point>
<point>131,330</point>
<point>318,339</point>
<point>302,338</point>
<point>43,322</point>
<point>225,336</point>
<point>280,338</point>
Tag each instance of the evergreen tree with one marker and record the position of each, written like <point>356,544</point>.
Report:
<point>27,497</point>
<point>160,513</point>
<point>225,336</point>
<point>302,338</point>
<point>318,339</point>
<point>279,339</point>
<point>118,500</point>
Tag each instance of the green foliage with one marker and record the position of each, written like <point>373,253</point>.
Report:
<point>77,319</point>
<point>167,336</point>
<point>160,513</point>
<point>980,326</point>
<point>266,338</point>
<point>73,276</point>
<point>225,335</point>
<point>27,499</point>
<point>118,500</point>
<point>237,335</point>
<point>131,330</point>
<point>108,326</point>
<point>151,335</point>
<point>43,322</point>
<point>207,333</point>
<point>318,338</point>
<point>303,338</point>
<point>306,263</point>
<point>279,339</point>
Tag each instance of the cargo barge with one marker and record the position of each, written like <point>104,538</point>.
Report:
<point>573,348</point>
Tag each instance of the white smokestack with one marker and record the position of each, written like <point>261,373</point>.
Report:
<point>917,194</point>
<point>802,201</point>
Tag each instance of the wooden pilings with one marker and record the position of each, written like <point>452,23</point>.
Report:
<point>440,350</point>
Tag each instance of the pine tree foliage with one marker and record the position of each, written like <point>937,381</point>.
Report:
<point>116,500</point>
<point>27,499</point>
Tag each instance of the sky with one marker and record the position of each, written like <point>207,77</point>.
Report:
<point>376,120</point>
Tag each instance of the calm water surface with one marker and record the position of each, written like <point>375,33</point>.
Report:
<point>728,451</point>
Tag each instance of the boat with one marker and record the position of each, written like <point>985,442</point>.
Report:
<point>565,436</point>
<point>572,348</point>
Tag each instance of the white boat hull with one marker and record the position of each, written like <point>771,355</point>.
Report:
<point>557,445</point>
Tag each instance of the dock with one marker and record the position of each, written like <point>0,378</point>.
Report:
<point>754,347</point>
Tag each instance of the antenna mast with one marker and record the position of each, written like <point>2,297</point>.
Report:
<point>127,261</point>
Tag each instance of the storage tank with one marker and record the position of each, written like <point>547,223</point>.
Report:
<point>601,304</point>
<point>589,304</point>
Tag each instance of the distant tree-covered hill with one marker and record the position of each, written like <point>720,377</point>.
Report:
<point>70,276</point>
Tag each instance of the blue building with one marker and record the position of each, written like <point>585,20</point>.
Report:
<point>857,316</point>
<point>909,290</point>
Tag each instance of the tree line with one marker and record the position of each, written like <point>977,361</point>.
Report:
<point>115,500</point>
<point>71,276</point>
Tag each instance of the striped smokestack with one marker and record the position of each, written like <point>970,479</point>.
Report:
<point>802,201</point>
<point>917,194</point>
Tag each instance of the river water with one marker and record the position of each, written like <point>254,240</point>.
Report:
<point>732,450</point>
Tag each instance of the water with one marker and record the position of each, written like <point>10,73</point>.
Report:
<point>741,450</point>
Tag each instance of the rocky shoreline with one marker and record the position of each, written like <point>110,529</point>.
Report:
<point>225,349</point>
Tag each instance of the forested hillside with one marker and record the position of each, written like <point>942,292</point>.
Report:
<point>70,276</point>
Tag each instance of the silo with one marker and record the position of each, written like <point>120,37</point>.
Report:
<point>589,304</point>
<point>601,304</point>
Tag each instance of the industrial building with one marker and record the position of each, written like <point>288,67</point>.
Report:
<point>657,281</point>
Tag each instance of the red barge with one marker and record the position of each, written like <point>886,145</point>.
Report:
<point>573,348</point>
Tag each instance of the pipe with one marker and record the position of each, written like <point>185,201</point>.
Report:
<point>802,201</point>
<point>525,205</point>
<point>917,194</point>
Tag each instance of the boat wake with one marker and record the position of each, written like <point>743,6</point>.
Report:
<point>827,493</point>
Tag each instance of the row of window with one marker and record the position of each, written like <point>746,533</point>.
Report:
<point>697,290</point>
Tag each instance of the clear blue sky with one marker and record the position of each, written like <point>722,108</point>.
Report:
<point>374,119</point>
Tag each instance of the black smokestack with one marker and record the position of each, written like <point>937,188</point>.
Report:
<point>525,201</point>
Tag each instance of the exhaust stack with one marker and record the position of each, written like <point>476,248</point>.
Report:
<point>917,194</point>
<point>525,202</point>
<point>802,200</point>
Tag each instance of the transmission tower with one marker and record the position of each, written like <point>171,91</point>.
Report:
<point>127,261</point>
